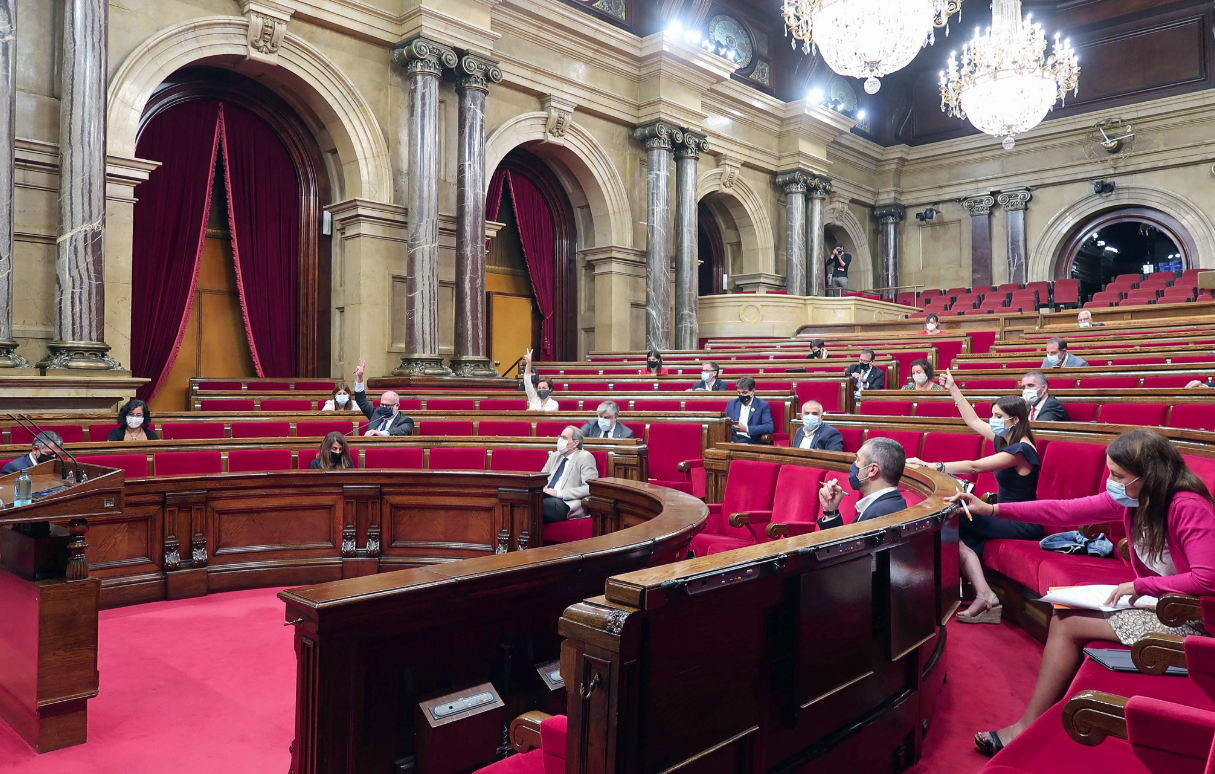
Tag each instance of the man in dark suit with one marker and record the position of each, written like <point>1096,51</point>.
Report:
<point>46,446</point>
<point>752,415</point>
<point>708,378</point>
<point>1043,407</point>
<point>814,432</point>
<point>387,419</point>
<point>875,475</point>
<point>606,425</point>
<point>865,375</point>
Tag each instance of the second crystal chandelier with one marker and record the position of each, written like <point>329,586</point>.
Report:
<point>866,38</point>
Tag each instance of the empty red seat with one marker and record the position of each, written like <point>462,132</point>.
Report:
<point>590,386</point>
<point>389,458</point>
<point>406,404</point>
<point>828,393</point>
<point>656,405</point>
<point>179,431</point>
<point>671,443</point>
<point>1082,412</point>
<point>224,386</point>
<point>1133,361</point>
<point>226,404</point>
<point>96,432</point>
<point>950,447</point>
<point>273,386</point>
<point>503,428</point>
<point>990,384</point>
<point>503,404</point>
<point>286,404</point>
<point>563,532</point>
<point>321,427</point>
<point>795,506</point>
<point>885,408</point>
<point>1166,381</point>
<point>1141,414</point>
<point>1066,291</point>
<point>69,433</point>
<point>457,459</point>
<point>601,460</point>
<point>1107,382</point>
<point>750,486</point>
<point>435,427</point>
<point>908,439</point>
<point>530,460</point>
<point>258,460</point>
<point>551,429</point>
<point>451,404</point>
<point>1193,416</point>
<point>187,463</point>
<point>314,385</point>
<point>271,429</point>
<point>853,438</point>
<point>935,408</point>
<point>664,386</point>
<point>133,466</point>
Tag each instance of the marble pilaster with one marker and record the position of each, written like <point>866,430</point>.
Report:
<point>817,191</point>
<point>979,208</point>
<point>687,277</point>
<point>474,74</point>
<point>1015,203</point>
<point>794,185</point>
<point>8,132</point>
<point>891,217</point>
<point>659,138</point>
<point>80,244</point>
<point>424,61</point>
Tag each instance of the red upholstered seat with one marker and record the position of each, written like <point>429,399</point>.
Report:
<point>393,459</point>
<point>1142,414</point>
<point>226,404</point>
<point>438,427</point>
<point>187,463</point>
<point>796,503</point>
<point>177,431</point>
<point>853,437</point>
<point>1130,361</point>
<point>935,408</point>
<point>950,447</point>
<point>1082,412</point>
<point>258,460</point>
<point>1193,416</point>
<point>286,404</point>
<point>885,408</point>
<point>451,404</point>
<point>504,428</point>
<point>908,439</point>
<point>69,433</point>
<point>133,465</point>
<point>671,443</point>
<point>1193,359</point>
<point>848,504</point>
<point>273,429</point>
<point>321,427</point>
<point>601,461</point>
<point>990,384</point>
<point>590,386</point>
<point>314,385</point>
<point>568,531</point>
<point>517,459</point>
<point>700,404</point>
<point>825,392</point>
<point>503,404</point>
<point>663,386</point>
<point>406,404</point>
<point>1106,382</point>
<point>656,405</point>
<point>275,386</point>
<point>98,432</point>
<point>750,486</point>
<point>551,429</point>
<point>1070,469</point>
<point>1065,570</point>
<point>457,459</point>
<point>225,386</point>
<point>774,386</point>
<point>1167,381</point>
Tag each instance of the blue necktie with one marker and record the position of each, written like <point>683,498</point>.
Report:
<point>552,482</point>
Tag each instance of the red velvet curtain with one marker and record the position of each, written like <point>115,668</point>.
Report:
<point>539,237</point>
<point>263,209</point>
<point>169,225</point>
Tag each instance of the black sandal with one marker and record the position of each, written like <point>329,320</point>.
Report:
<point>988,744</point>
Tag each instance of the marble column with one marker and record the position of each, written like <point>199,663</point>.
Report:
<point>817,191</point>
<point>687,275</point>
<point>8,131</point>
<point>659,138</point>
<point>1014,204</point>
<point>473,76</point>
<point>794,185</point>
<point>890,216</point>
<point>80,245</point>
<point>424,61</point>
<point>979,208</point>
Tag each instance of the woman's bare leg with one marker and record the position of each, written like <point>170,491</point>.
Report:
<point>972,570</point>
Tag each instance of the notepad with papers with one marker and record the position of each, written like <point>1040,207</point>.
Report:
<point>1092,598</point>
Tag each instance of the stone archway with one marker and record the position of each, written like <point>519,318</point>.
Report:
<point>746,207</point>
<point>839,216</point>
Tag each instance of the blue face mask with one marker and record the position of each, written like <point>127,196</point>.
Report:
<point>1052,360</point>
<point>811,421</point>
<point>605,424</point>
<point>1118,492</point>
<point>854,479</point>
<point>998,427</point>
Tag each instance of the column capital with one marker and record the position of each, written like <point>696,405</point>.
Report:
<point>890,213</point>
<point>1017,199</point>
<point>659,135</point>
<point>819,187</point>
<point>795,181</point>
<point>476,72</point>
<point>423,56</point>
<point>980,204</point>
<point>691,146</point>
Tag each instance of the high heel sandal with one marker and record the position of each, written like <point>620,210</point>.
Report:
<point>992,614</point>
<point>988,743</point>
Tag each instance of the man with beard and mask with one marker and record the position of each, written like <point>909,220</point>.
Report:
<point>385,420</point>
<point>1043,407</point>
<point>569,469</point>
<point>865,375</point>
<point>752,416</point>
<point>875,476</point>
<point>1057,355</point>
<point>540,395</point>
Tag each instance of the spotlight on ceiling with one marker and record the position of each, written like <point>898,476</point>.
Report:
<point>926,215</point>
<point>815,96</point>
<point>1103,187</point>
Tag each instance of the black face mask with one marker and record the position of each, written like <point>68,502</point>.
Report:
<point>654,364</point>
<point>744,399</point>
<point>544,394</point>
<point>385,411</point>
<point>335,457</point>
<point>865,366</point>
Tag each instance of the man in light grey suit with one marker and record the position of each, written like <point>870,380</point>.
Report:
<point>568,470</point>
<point>606,425</point>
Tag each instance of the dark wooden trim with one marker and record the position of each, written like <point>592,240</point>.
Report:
<point>209,83</point>
<point>1121,214</point>
<point>707,223</point>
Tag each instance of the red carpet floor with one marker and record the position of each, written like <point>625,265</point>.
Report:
<point>208,685</point>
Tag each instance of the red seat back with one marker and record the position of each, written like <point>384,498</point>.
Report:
<point>286,404</point>
<point>258,460</point>
<point>823,391</point>
<point>504,428</point>
<point>1070,469</point>
<point>936,408</point>
<point>551,429</point>
<point>434,427</point>
<point>226,404</point>
<point>885,408</point>
<point>1193,416</point>
<point>601,461</point>
<point>853,438</point>
<point>797,494</point>
<point>1203,467</point>
<point>457,459</point>
<point>177,431</point>
<point>656,405</point>
<point>990,384</point>
<point>1082,412</point>
<point>393,459</point>
<point>451,404</point>
<point>273,429</point>
<point>848,504</point>
<point>1142,414</point>
<point>133,465</point>
<point>1106,382</point>
<point>950,447</point>
<point>1130,361</point>
<point>528,460</point>
<point>671,443</point>
<point>503,404</point>
<point>1167,381</point>
<point>750,486</point>
<point>321,427</point>
<point>187,463</point>
<point>908,439</point>
<point>225,386</point>
<point>706,405</point>
<point>99,432</point>
<point>662,387</point>
<point>275,386</point>
<point>314,385</point>
<point>69,433</point>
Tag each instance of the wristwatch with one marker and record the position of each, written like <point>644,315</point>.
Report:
<point>831,513</point>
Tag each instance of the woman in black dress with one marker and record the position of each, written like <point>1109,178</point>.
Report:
<point>134,423</point>
<point>334,454</point>
<point>1015,465</point>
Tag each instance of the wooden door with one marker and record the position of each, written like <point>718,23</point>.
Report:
<point>510,327</point>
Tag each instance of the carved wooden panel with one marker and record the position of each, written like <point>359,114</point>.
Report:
<point>1168,54</point>
<point>839,599</point>
<point>431,526</point>
<point>241,528</point>
<point>911,592</point>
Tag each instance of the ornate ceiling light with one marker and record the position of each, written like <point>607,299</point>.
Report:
<point>1005,83</point>
<point>866,38</point>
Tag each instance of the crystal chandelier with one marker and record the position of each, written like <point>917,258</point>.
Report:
<point>866,38</point>
<point>1005,83</point>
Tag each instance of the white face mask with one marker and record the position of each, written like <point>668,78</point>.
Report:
<point>341,399</point>
<point>1052,359</point>
<point>706,376</point>
<point>919,378</point>
<point>563,445</point>
<point>1030,396</point>
<point>605,424</point>
<point>1086,324</point>
<point>134,422</point>
<point>931,326</point>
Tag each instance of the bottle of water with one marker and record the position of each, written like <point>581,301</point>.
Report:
<point>22,491</point>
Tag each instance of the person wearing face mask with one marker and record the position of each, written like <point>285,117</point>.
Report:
<point>569,469</point>
<point>1015,465</point>
<point>341,400</point>
<point>653,365</point>
<point>134,423</point>
<point>1085,320</point>
<point>875,476</point>
<point>539,394</point>
<point>814,432</point>
<point>385,420</point>
<point>1043,407</point>
<point>333,454</point>
<point>932,325</point>
<point>606,425</point>
<point>1057,355</point>
<point>818,350</point>
<point>1169,519</point>
<point>751,414</point>
<point>922,377</point>
<point>47,445</point>
<point>865,375</point>
<point>709,372</point>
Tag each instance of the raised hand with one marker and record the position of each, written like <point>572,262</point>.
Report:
<point>359,369</point>
<point>830,495</point>
<point>949,382</point>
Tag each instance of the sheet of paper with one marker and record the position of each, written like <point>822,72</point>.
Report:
<point>1093,598</point>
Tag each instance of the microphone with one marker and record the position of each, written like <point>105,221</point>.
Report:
<point>22,419</point>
